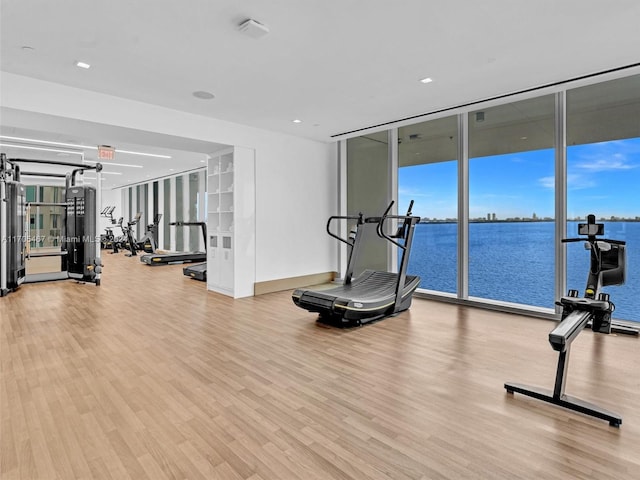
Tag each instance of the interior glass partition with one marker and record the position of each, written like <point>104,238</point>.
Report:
<point>180,231</point>
<point>512,202</point>
<point>427,174</point>
<point>195,233</point>
<point>603,174</point>
<point>368,192</point>
<point>166,217</point>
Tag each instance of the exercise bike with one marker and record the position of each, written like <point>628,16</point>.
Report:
<point>594,309</point>
<point>130,243</point>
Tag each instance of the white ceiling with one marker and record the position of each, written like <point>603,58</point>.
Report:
<point>338,65</point>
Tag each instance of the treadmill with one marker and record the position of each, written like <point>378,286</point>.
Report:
<point>197,271</point>
<point>373,295</point>
<point>171,258</point>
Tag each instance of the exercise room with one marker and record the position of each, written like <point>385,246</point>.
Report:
<point>319,241</point>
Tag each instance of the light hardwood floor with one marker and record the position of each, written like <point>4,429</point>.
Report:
<point>150,377</point>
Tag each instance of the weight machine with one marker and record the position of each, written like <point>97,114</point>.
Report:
<point>80,247</point>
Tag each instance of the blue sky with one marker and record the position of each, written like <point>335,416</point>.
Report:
<point>602,178</point>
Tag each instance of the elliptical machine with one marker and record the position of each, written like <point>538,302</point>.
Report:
<point>594,309</point>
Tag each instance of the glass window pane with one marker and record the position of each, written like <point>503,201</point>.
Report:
<point>428,172</point>
<point>166,217</point>
<point>31,193</point>
<point>511,202</point>
<point>368,193</point>
<point>139,197</point>
<point>603,174</point>
<point>195,233</point>
<point>180,231</point>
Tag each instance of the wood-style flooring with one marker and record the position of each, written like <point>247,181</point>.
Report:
<point>149,376</point>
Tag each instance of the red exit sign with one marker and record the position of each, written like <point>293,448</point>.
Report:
<point>105,152</point>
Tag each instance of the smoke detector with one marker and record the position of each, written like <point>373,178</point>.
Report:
<point>253,28</point>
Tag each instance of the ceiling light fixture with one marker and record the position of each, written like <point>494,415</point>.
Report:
<point>87,147</point>
<point>202,95</point>
<point>427,80</point>
<point>46,142</point>
<point>42,149</point>
<point>156,155</point>
<point>296,121</point>
<point>114,164</point>
<point>84,65</point>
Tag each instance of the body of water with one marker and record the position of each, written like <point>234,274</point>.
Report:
<point>514,262</point>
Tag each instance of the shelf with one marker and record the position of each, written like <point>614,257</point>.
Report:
<point>232,274</point>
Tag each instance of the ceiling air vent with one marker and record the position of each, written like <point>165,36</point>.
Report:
<point>253,29</point>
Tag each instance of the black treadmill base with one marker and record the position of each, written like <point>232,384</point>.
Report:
<point>341,322</point>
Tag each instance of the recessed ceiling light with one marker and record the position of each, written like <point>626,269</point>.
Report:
<point>27,48</point>
<point>296,121</point>
<point>427,80</point>
<point>83,65</point>
<point>202,95</point>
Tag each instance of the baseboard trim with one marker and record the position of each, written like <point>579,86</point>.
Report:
<point>293,282</point>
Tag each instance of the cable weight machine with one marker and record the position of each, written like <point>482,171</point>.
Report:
<point>80,246</point>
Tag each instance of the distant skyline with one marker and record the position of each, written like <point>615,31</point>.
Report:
<point>602,178</point>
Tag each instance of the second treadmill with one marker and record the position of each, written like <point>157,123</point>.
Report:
<point>171,258</point>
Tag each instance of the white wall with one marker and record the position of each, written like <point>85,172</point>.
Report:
<point>296,178</point>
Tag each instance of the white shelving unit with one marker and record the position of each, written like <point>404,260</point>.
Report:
<point>231,222</point>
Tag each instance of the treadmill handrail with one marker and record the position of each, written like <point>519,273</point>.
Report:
<point>202,225</point>
<point>358,217</point>
<point>407,219</point>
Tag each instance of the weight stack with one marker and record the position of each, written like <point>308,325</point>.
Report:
<point>80,236</point>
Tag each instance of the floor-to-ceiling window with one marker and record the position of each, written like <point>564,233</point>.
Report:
<point>603,175</point>
<point>503,182</point>
<point>427,174</point>
<point>512,202</point>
